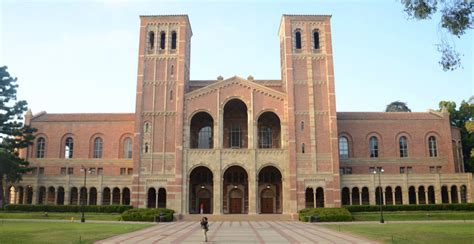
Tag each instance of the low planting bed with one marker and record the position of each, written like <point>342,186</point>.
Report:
<point>148,214</point>
<point>325,214</point>
<point>423,207</point>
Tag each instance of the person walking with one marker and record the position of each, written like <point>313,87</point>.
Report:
<point>204,227</point>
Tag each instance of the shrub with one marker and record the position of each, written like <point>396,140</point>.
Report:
<point>326,214</point>
<point>147,214</point>
<point>423,207</point>
<point>68,208</point>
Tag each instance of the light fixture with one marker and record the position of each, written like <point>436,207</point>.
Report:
<point>203,186</point>
<point>235,187</point>
<point>268,186</point>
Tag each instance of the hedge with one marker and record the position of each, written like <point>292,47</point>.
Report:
<point>326,214</point>
<point>68,208</point>
<point>147,214</point>
<point>423,207</point>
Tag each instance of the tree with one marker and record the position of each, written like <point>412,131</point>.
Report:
<point>397,106</point>
<point>463,119</point>
<point>456,18</point>
<point>13,134</point>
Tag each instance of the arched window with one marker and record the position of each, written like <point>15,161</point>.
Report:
<point>432,147</point>
<point>205,137</point>
<point>98,145</point>
<point>403,147</point>
<point>40,147</point>
<point>127,148</point>
<point>302,125</point>
<point>162,40</point>
<point>374,147</point>
<point>316,39</point>
<point>265,137</point>
<point>173,39</point>
<point>68,147</point>
<point>146,127</point>
<point>171,95</point>
<point>302,147</point>
<point>298,39</point>
<point>343,148</point>
<point>151,40</point>
<point>172,70</point>
<point>146,148</point>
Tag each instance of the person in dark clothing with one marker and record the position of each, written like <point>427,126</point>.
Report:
<point>204,227</point>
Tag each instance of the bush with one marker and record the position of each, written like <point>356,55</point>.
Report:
<point>326,214</point>
<point>68,208</point>
<point>147,214</point>
<point>423,207</point>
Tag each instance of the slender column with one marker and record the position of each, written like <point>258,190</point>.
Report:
<point>360,197</point>
<point>350,197</point>
<point>426,197</point>
<point>121,197</point>
<point>417,198</point>
<point>252,194</point>
<point>216,196</point>
<point>459,195</point>
<point>384,197</point>
<point>314,199</point>
<point>156,202</point>
<point>449,197</point>
<point>88,198</point>
<point>394,202</point>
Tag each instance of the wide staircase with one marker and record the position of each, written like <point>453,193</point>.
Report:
<point>237,217</point>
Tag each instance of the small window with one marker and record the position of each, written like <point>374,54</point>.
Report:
<point>92,171</point>
<point>349,170</point>
<point>68,147</point>
<point>172,70</point>
<point>343,148</point>
<point>171,95</point>
<point>409,170</point>
<point>342,170</point>
<point>40,147</point>
<point>438,169</point>
<point>371,170</point>
<point>316,39</point>
<point>63,171</point>
<point>70,171</point>
<point>432,170</point>
<point>129,171</point>
<point>265,137</point>
<point>432,146</point>
<point>298,39</point>
<point>34,171</point>
<point>374,147</point>
<point>173,40</point>
<point>162,40</point>
<point>146,147</point>
<point>41,171</point>
<point>403,147</point>
<point>146,127</point>
<point>122,171</point>
<point>100,171</point>
<point>302,125</point>
<point>98,146</point>
<point>302,147</point>
<point>402,170</point>
<point>151,40</point>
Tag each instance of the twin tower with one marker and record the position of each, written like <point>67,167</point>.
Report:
<point>235,145</point>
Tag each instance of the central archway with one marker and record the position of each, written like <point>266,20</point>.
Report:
<point>200,191</point>
<point>269,188</point>
<point>236,193</point>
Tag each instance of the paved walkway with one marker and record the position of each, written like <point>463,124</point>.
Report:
<point>237,232</point>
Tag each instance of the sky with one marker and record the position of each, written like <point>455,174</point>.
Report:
<point>81,56</point>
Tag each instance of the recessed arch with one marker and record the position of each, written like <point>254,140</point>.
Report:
<point>269,130</point>
<point>235,130</point>
<point>201,131</point>
<point>201,188</point>
<point>270,180</point>
<point>235,184</point>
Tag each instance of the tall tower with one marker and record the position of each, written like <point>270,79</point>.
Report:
<point>163,77</point>
<point>308,77</point>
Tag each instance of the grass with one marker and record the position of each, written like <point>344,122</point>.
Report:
<point>414,215</point>
<point>64,216</point>
<point>412,233</point>
<point>61,232</point>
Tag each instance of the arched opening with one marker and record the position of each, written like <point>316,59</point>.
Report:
<point>60,198</point>
<point>40,147</point>
<point>379,196</point>
<point>202,131</point>
<point>21,193</point>
<point>235,189</point>
<point>431,195</point>
<point>51,195</point>
<point>68,147</point>
<point>454,194</point>
<point>151,197</point>
<point>398,195</point>
<point>298,39</point>
<point>309,198</point>
<point>74,196</point>
<point>269,188</point>
<point>421,195</point>
<point>12,195</point>
<point>403,147</point>
<point>29,195</point>
<point>432,146</point>
<point>365,196</point>
<point>116,196</point>
<point>106,196</point>
<point>162,40</point>
<point>355,196</point>
<point>127,148</point>
<point>268,130</point>
<point>98,146</point>
<point>411,195</point>
<point>126,196</point>
<point>343,147</point>
<point>151,40</point>
<point>235,124</point>
<point>444,194</point>
<point>173,40</point>
<point>316,39</point>
<point>162,198</point>
<point>374,147</point>
<point>320,197</point>
<point>463,194</point>
<point>93,196</point>
<point>388,195</point>
<point>345,196</point>
<point>201,188</point>
<point>83,196</point>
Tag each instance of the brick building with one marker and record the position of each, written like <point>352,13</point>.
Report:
<point>241,145</point>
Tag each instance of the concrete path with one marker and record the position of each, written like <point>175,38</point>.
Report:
<point>237,232</point>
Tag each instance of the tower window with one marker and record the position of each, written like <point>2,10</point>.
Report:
<point>146,147</point>
<point>302,147</point>
<point>298,39</point>
<point>302,125</point>
<point>316,39</point>
<point>403,147</point>
<point>40,146</point>
<point>151,39</point>
<point>171,95</point>
<point>68,148</point>
<point>432,147</point>
<point>343,148</point>
<point>172,70</point>
<point>173,40</point>
<point>98,145</point>
<point>162,40</point>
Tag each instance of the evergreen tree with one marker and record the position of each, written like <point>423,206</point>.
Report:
<point>397,106</point>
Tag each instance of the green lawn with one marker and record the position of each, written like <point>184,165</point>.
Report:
<point>65,216</point>
<point>61,232</point>
<point>415,215</point>
<point>412,233</point>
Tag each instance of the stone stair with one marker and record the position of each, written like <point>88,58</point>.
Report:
<point>237,217</point>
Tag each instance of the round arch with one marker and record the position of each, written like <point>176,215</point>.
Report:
<point>200,190</point>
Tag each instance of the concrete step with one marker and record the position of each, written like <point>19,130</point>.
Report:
<point>237,217</point>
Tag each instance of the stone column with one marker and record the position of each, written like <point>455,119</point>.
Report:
<point>156,202</point>
<point>426,197</point>
<point>360,197</point>
<point>417,198</point>
<point>252,194</point>
<point>88,194</point>
<point>314,198</point>
<point>449,196</point>
<point>99,197</point>
<point>121,196</point>
<point>394,201</point>
<point>459,195</point>
<point>216,195</point>
<point>384,197</point>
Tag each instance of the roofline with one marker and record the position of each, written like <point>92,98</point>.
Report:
<point>169,15</point>
<point>301,15</point>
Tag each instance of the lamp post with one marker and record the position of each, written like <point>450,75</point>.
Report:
<point>380,171</point>
<point>85,170</point>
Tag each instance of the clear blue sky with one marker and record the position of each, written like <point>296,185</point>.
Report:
<point>81,56</point>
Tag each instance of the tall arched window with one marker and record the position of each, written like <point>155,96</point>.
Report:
<point>151,40</point>
<point>98,145</point>
<point>374,147</point>
<point>205,137</point>
<point>316,39</point>
<point>343,148</point>
<point>68,147</point>
<point>432,147</point>
<point>298,39</point>
<point>162,40</point>
<point>403,144</point>
<point>146,127</point>
<point>173,39</point>
<point>40,147</point>
<point>127,148</point>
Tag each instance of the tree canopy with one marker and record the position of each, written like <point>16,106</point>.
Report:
<point>456,18</point>
<point>397,106</point>
<point>14,135</point>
